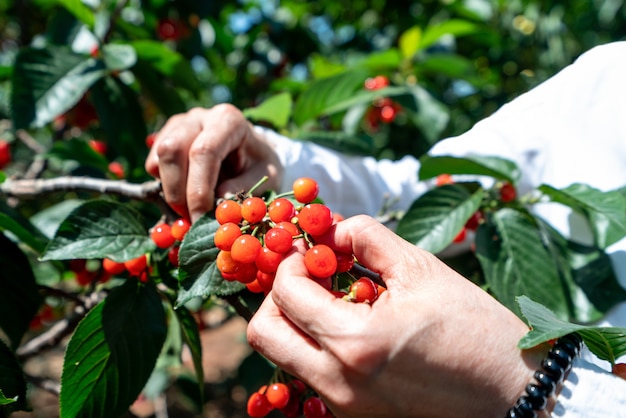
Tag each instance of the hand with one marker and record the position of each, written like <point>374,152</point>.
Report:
<point>433,345</point>
<point>206,153</point>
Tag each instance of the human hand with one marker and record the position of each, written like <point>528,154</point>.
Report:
<point>204,154</point>
<point>433,345</point>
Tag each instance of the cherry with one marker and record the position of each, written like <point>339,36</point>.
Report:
<point>265,280</point>
<point>5,154</point>
<point>228,211</point>
<point>113,267</point>
<point>619,369</point>
<point>150,138</point>
<point>388,113</point>
<point>170,29</point>
<point>320,261</point>
<point>363,290</point>
<point>305,189</point>
<point>254,286</point>
<point>162,235</point>
<point>293,230</point>
<point>225,235</point>
<point>443,179</point>
<point>345,262</point>
<point>278,240</point>
<point>253,209</point>
<point>245,272</point>
<point>172,255</point>
<point>278,395</point>
<point>314,407</point>
<point>267,260</point>
<point>375,83</point>
<point>225,264</point>
<point>245,249</point>
<point>137,265</point>
<point>84,277</point>
<point>258,405</point>
<point>117,169</point>
<point>315,219</point>
<point>98,146</point>
<point>460,237</point>
<point>281,210</point>
<point>475,220</point>
<point>507,192</point>
<point>180,227</point>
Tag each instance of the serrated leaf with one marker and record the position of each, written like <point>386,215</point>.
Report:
<point>99,229</point>
<point>198,275</point>
<point>499,168</point>
<point>19,298</point>
<point>275,110</point>
<point>189,328</point>
<point>515,262</point>
<point>409,41</point>
<point>325,93</point>
<point>436,217</point>
<point>47,82</point>
<point>167,62</point>
<point>607,343</point>
<point>606,211</point>
<point>112,353</point>
<point>12,381</point>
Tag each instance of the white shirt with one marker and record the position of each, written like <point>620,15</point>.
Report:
<point>570,129</point>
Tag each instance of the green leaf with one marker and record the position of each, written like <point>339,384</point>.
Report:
<point>12,382</point>
<point>112,353</point>
<point>515,262</point>
<point>409,41</point>
<point>198,275</point>
<point>340,141</point>
<point>118,57</point>
<point>189,328</point>
<point>327,92</point>
<point>454,27</point>
<point>80,11</point>
<point>606,211</point>
<point>36,242</point>
<point>99,229</point>
<point>19,298</point>
<point>275,110</point>
<point>496,167</point>
<point>167,62</point>
<point>436,217</point>
<point>427,113</point>
<point>47,82</point>
<point>607,343</point>
<point>154,87</point>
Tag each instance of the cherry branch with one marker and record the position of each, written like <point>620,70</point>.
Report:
<point>23,188</point>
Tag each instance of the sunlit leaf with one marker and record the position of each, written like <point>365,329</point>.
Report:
<point>409,41</point>
<point>497,167</point>
<point>275,110</point>
<point>454,27</point>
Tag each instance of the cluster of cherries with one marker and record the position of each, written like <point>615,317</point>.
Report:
<point>255,235</point>
<point>292,398</point>
<point>383,109</point>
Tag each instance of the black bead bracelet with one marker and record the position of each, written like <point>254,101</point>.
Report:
<point>554,368</point>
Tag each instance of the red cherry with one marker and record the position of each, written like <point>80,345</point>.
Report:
<point>280,210</point>
<point>460,237</point>
<point>305,189</point>
<point>136,266</point>
<point>245,249</point>
<point>113,267</point>
<point>180,227</point>
<point>117,169</point>
<point>278,240</point>
<point>172,255</point>
<point>278,395</point>
<point>226,235</point>
<point>267,260</point>
<point>228,211</point>
<point>258,405</point>
<point>314,407</point>
<point>507,192</point>
<point>619,369</point>
<point>98,146</point>
<point>320,261</point>
<point>315,219</point>
<point>162,235</point>
<point>363,290</point>
<point>5,154</point>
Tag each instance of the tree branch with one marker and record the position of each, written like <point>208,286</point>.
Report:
<point>23,188</point>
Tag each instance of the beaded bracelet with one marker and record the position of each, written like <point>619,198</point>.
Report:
<point>553,370</point>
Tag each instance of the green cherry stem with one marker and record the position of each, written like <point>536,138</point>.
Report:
<point>256,186</point>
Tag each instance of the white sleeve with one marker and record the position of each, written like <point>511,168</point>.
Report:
<point>349,185</point>
<point>590,392</point>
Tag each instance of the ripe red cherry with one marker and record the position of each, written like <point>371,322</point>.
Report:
<point>507,192</point>
<point>278,395</point>
<point>280,210</point>
<point>228,211</point>
<point>363,290</point>
<point>345,262</point>
<point>150,138</point>
<point>258,405</point>
<point>226,235</point>
<point>136,266</point>
<point>320,261</point>
<point>117,169</point>
<point>113,267</point>
<point>98,146</point>
<point>460,237</point>
<point>314,407</point>
<point>245,249</point>
<point>169,29</point>
<point>293,229</point>
<point>305,189</point>
<point>619,369</point>
<point>180,227</point>
<point>162,235</point>
<point>278,240</point>
<point>315,219</point>
<point>388,114</point>
<point>172,255</point>
<point>253,209</point>
<point>5,154</point>
<point>267,260</point>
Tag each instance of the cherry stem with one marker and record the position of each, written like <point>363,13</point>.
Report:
<point>257,185</point>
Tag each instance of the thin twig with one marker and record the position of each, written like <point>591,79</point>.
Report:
<point>23,188</point>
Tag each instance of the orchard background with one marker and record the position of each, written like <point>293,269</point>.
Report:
<point>84,84</point>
